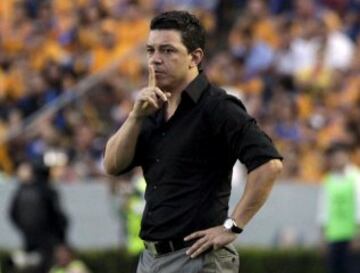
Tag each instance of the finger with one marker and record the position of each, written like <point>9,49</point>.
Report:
<point>160,94</point>
<point>196,246</point>
<point>195,235</point>
<point>151,101</point>
<point>145,105</point>
<point>201,249</point>
<point>152,79</point>
<point>154,95</point>
<point>146,102</point>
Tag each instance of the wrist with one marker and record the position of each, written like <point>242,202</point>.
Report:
<point>231,226</point>
<point>135,116</point>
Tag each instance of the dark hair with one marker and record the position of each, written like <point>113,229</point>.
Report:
<point>337,147</point>
<point>190,28</point>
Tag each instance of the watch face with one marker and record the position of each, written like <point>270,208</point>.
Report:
<point>228,224</point>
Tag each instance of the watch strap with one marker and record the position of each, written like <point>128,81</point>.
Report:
<point>236,229</point>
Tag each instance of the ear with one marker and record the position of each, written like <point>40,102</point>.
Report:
<point>196,57</point>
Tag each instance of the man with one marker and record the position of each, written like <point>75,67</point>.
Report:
<point>186,135</point>
<point>339,207</point>
<point>36,212</point>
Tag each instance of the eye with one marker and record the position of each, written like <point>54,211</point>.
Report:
<point>169,50</point>
<point>149,50</point>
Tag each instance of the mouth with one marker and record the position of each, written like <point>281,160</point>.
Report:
<point>159,72</point>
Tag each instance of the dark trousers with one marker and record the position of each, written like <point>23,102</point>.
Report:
<point>43,245</point>
<point>338,260</point>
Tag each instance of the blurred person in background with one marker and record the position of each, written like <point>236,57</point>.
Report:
<point>127,202</point>
<point>187,134</point>
<point>67,262</point>
<point>134,208</point>
<point>35,211</point>
<point>339,207</point>
<point>257,55</point>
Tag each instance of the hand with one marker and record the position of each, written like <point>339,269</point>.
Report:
<point>215,238</point>
<point>151,98</point>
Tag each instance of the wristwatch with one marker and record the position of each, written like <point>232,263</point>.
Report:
<point>231,226</point>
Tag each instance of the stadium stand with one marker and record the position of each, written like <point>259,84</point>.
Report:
<point>69,71</point>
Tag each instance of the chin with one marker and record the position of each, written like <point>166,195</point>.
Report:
<point>163,85</point>
<point>166,84</point>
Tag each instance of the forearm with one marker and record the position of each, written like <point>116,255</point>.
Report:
<point>120,148</point>
<point>258,187</point>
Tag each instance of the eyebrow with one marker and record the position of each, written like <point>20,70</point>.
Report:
<point>161,46</point>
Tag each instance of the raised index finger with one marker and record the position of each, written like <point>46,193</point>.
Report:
<point>152,79</point>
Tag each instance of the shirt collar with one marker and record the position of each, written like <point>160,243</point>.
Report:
<point>196,87</point>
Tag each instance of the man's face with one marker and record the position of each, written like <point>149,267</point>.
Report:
<point>62,256</point>
<point>339,160</point>
<point>169,57</point>
<point>25,173</point>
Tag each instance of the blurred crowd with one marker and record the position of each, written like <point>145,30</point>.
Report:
<point>295,64</point>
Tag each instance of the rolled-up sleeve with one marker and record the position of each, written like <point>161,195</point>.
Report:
<point>243,137</point>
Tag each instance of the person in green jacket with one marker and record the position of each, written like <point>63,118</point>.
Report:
<point>66,262</point>
<point>134,209</point>
<point>339,212</point>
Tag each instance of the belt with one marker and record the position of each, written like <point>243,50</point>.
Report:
<point>163,247</point>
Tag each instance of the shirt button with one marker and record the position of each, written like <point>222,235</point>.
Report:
<point>155,187</point>
<point>163,134</point>
<point>150,213</point>
<point>157,160</point>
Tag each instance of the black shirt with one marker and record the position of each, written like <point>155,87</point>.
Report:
<point>187,161</point>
